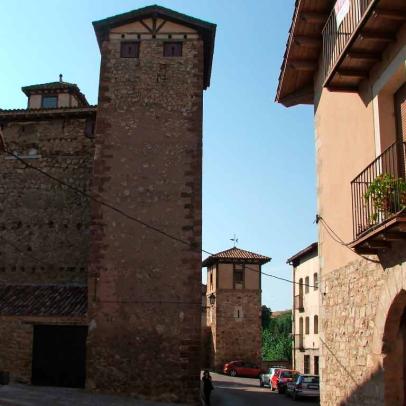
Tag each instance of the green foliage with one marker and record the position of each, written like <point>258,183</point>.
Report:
<point>266,315</point>
<point>388,195</point>
<point>276,338</point>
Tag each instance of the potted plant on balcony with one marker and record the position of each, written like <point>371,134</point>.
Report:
<point>388,196</point>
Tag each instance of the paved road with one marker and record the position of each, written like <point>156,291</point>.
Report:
<point>246,392</point>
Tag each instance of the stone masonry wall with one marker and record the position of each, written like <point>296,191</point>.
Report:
<point>44,227</point>
<point>353,322</point>
<point>237,338</point>
<point>144,335</point>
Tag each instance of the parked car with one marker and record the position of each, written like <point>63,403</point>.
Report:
<point>266,377</point>
<point>242,368</point>
<point>280,378</point>
<point>291,385</point>
<point>304,386</point>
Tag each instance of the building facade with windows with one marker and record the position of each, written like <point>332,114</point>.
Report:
<point>234,306</point>
<point>347,58</point>
<point>306,309</point>
<point>91,297</point>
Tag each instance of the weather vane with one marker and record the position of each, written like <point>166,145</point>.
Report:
<point>235,240</point>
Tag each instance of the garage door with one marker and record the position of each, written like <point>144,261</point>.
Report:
<point>59,356</point>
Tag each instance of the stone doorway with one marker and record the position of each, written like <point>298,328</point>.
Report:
<point>394,349</point>
<point>59,356</point>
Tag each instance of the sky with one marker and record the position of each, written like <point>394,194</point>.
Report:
<point>258,163</point>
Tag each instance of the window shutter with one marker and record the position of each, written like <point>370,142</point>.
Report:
<point>130,49</point>
<point>172,49</point>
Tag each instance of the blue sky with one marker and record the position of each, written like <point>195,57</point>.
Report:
<point>259,165</point>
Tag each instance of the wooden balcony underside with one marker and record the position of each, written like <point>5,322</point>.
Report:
<point>365,46</point>
<point>381,237</point>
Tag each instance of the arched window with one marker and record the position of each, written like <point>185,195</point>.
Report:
<point>307,322</point>
<point>307,283</point>
<point>316,324</point>
<point>315,281</point>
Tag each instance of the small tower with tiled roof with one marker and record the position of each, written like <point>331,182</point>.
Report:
<point>234,305</point>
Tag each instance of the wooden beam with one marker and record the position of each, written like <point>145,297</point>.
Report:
<point>393,236</point>
<point>313,18</point>
<point>365,55</point>
<point>309,42</point>
<point>345,89</point>
<point>377,36</point>
<point>365,251</point>
<point>378,244</point>
<point>353,73</point>
<point>395,15</point>
<point>303,64</point>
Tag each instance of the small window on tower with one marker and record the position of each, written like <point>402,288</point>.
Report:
<point>49,102</point>
<point>172,49</point>
<point>130,49</point>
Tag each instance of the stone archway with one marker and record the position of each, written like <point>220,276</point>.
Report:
<point>393,349</point>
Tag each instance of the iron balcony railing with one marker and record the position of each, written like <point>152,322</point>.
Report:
<point>299,303</point>
<point>336,33</point>
<point>379,191</point>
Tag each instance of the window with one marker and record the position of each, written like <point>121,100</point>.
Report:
<point>316,365</point>
<point>316,324</point>
<point>130,49</point>
<point>238,276</point>
<point>49,102</point>
<point>307,280</point>
<point>307,325</point>
<point>315,281</point>
<point>172,49</point>
<point>306,364</point>
<point>211,280</point>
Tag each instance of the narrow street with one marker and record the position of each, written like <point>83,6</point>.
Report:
<point>245,391</point>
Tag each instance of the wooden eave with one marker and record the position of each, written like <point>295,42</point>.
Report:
<point>302,52</point>
<point>45,114</point>
<point>377,28</point>
<point>206,30</point>
<point>381,237</point>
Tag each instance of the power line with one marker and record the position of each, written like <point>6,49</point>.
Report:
<point>129,216</point>
<point>335,237</point>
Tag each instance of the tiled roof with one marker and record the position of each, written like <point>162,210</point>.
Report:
<point>55,86</point>
<point>312,248</point>
<point>43,300</point>
<point>236,254</point>
<point>46,113</point>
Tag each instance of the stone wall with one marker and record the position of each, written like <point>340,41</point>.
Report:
<point>237,327</point>
<point>355,304</point>
<point>44,227</point>
<point>144,335</point>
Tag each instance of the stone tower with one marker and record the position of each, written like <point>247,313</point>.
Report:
<point>144,287</point>
<point>234,305</point>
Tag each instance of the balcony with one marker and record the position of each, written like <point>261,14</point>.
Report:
<point>298,343</point>
<point>299,303</point>
<point>355,37</point>
<point>379,202</point>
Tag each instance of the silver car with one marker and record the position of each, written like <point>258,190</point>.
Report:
<point>265,379</point>
<point>304,386</point>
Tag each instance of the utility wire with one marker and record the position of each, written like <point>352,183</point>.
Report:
<point>126,215</point>
<point>335,237</point>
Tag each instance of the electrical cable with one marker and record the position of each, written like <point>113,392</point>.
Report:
<point>130,217</point>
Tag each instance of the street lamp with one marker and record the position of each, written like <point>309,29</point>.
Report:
<point>212,299</point>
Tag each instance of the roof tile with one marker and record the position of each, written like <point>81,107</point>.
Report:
<point>236,254</point>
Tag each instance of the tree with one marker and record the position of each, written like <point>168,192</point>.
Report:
<point>276,336</point>
<point>266,314</point>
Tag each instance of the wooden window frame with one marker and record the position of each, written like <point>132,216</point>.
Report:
<point>307,283</point>
<point>315,281</point>
<point>306,365</point>
<point>242,271</point>
<point>168,44</point>
<point>316,324</point>
<point>126,55</point>
<point>307,325</point>
<point>49,96</point>
<point>316,365</point>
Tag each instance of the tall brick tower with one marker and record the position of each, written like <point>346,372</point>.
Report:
<point>234,305</point>
<point>145,288</point>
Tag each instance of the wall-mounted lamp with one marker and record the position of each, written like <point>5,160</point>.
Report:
<point>212,299</point>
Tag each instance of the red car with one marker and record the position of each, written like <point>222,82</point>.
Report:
<point>241,368</point>
<point>281,378</point>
